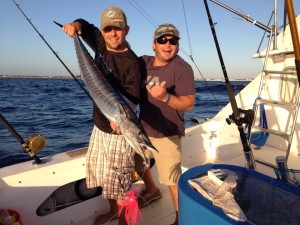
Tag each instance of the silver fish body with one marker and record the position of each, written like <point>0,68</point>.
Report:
<point>110,101</point>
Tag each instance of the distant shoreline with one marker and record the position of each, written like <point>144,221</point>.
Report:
<point>79,77</point>
<point>222,79</point>
<point>43,77</point>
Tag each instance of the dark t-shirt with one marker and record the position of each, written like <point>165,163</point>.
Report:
<point>158,118</point>
<point>124,65</point>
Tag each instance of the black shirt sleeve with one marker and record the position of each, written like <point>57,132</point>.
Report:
<point>125,66</point>
<point>92,36</point>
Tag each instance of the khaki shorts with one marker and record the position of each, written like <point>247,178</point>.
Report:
<point>168,159</point>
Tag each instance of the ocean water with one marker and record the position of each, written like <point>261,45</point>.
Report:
<point>59,110</point>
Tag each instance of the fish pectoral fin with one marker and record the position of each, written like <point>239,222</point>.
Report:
<point>123,111</point>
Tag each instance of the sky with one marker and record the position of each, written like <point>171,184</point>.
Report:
<point>23,52</point>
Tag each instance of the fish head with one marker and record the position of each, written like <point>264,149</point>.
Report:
<point>136,136</point>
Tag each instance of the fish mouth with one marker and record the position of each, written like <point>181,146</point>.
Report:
<point>148,146</point>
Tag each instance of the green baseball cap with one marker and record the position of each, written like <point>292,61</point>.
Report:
<point>166,28</point>
<point>113,16</point>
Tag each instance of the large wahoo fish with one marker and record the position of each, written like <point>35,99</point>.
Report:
<point>110,101</point>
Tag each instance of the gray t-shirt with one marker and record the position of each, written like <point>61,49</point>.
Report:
<point>158,118</point>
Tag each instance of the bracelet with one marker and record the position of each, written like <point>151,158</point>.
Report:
<point>168,98</point>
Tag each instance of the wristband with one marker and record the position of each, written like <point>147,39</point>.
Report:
<point>168,98</point>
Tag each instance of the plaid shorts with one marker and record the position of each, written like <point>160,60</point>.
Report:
<point>109,164</point>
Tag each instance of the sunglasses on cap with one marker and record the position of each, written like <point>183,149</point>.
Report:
<point>163,40</point>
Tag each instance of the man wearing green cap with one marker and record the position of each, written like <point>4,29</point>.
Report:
<point>109,160</point>
<point>170,92</point>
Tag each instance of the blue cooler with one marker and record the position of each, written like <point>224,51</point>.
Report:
<point>264,200</point>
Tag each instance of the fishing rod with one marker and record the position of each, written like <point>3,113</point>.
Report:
<point>294,33</point>
<point>295,39</point>
<point>245,17</point>
<point>34,142</point>
<point>18,6</point>
<point>238,116</point>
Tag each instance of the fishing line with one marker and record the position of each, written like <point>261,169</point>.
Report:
<point>151,20</point>
<point>192,58</point>
<point>41,36</point>
<point>187,29</point>
<point>139,9</point>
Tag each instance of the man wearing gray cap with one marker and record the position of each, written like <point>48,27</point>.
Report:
<point>109,160</point>
<point>170,92</point>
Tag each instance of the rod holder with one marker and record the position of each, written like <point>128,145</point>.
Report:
<point>282,168</point>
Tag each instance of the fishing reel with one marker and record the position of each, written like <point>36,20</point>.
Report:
<point>34,143</point>
<point>245,117</point>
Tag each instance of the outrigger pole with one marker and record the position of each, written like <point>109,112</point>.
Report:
<point>53,51</point>
<point>294,33</point>
<point>236,116</point>
<point>245,17</point>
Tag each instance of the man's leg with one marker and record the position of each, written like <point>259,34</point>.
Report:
<point>174,195</point>
<point>152,192</point>
<point>122,220</point>
<point>148,180</point>
<point>111,215</point>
